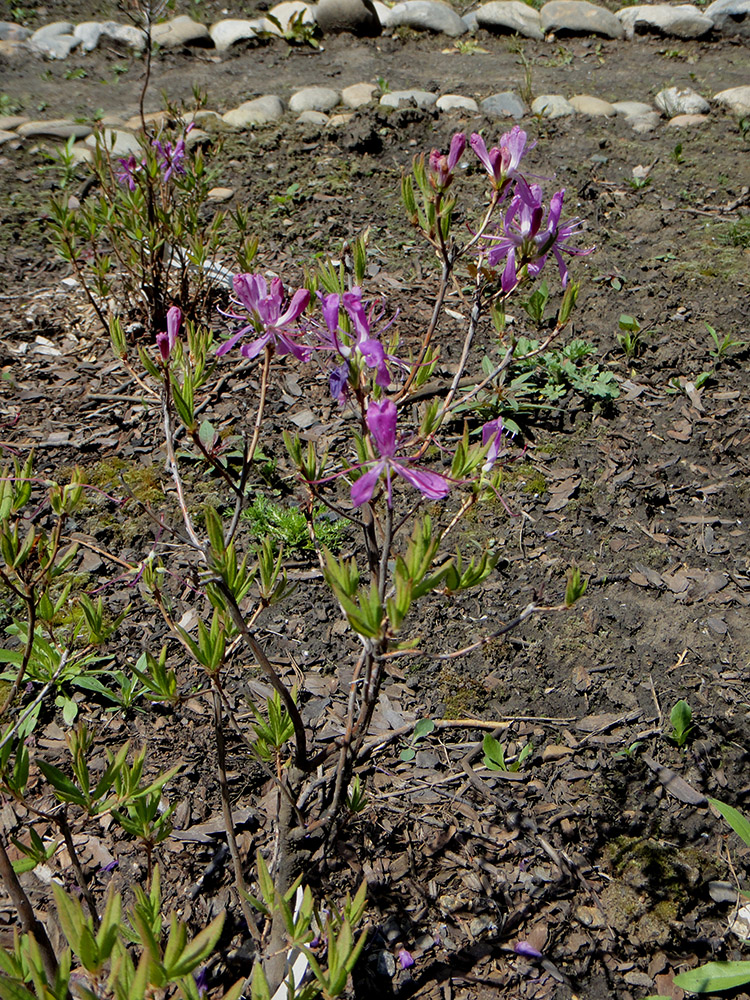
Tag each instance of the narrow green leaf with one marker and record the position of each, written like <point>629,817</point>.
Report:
<point>739,823</point>
<point>714,976</point>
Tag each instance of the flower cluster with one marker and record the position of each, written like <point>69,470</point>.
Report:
<point>360,343</point>
<point>524,243</point>
<point>269,315</point>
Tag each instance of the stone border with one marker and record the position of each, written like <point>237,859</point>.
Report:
<point>313,105</point>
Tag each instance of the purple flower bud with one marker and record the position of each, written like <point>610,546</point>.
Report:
<point>526,950</point>
<point>201,981</point>
<point>110,866</point>
<point>405,959</point>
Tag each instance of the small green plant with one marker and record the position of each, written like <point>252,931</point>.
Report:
<point>638,183</point>
<point>681,720</point>
<point>676,154</point>
<point>423,728</point>
<point>75,73</point>
<point>494,755</point>
<point>469,47</point>
<point>722,345</point>
<point>383,85</point>
<point>717,976</point>
<point>737,234</point>
<point>288,526</point>
<point>630,339</point>
<point>356,800</point>
<point>630,751</point>
<point>556,371</point>
<point>576,587</point>
<point>8,106</point>
<point>289,198</point>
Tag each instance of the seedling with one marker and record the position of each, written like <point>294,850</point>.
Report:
<point>494,755</point>
<point>722,345</point>
<point>681,719</point>
<point>630,751</point>
<point>630,340</point>
<point>576,586</point>
<point>423,728</point>
<point>676,154</point>
<point>356,799</point>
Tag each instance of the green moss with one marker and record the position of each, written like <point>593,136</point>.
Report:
<point>460,693</point>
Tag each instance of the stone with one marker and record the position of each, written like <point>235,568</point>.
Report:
<point>224,34</point>
<point>55,40</point>
<point>158,118</point>
<point>285,13</point>
<point>358,94</point>
<point>510,16</point>
<point>10,122</point>
<point>456,102</point>
<point>197,137</point>
<point>504,105</point>
<point>10,32</point>
<point>220,194</point>
<point>577,17</point>
<point>730,17</point>
<point>683,121</point>
<point>314,99</point>
<point>585,104</point>
<point>7,136</point>
<point>10,51</point>
<point>428,15</point>
<point>681,21</point>
<point>181,30</point>
<point>312,118</point>
<point>117,142</point>
<point>211,121</point>
<point>358,17</point>
<point>552,106</point>
<point>259,111</point>
<point>628,108</point>
<point>123,34</point>
<point>737,99</point>
<point>676,101</point>
<point>336,121</point>
<point>645,122</point>
<point>57,128</point>
<point>88,34</point>
<point>397,98</point>
<point>81,153</point>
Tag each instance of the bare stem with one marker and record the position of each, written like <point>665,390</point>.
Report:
<point>61,820</point>
<point>226,808</point>
<point>262,401</point>
<point>29,922</point>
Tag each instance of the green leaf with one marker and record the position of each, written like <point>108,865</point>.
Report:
<point>714,976</point>
<point>739,823</point>
<point>259,989</point>
<point>423,728</point>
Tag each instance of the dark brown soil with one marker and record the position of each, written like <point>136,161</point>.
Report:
<point>590,855</point>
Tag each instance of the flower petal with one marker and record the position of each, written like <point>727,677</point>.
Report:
<point>364,487</point>
<point>430,484</point>
<point>381,420</point>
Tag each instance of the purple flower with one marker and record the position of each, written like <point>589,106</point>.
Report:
<point>492,434</point>
<point>405,959</point>
<point>166,341</point>
<point>501,163</point>
<point>201,981</point>
<point>381,422</point>
<point>129,168</point>
<point>171,158</point>
<point>526,949</point>
<point>362,341</point>
<point>442,167</point>
<point>267,317</point>
<point>110,866</point>
<point>524,243</point>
